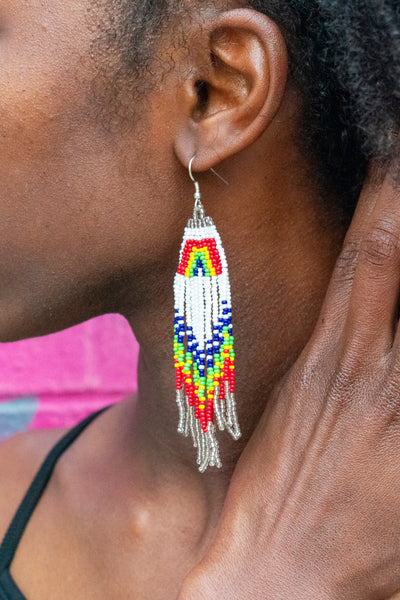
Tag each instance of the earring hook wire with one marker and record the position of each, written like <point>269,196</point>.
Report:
<point>194,180</point>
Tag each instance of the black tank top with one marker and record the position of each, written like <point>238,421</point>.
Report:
<point>8,588</point>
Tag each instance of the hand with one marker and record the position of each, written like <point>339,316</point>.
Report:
<point>313,509</point>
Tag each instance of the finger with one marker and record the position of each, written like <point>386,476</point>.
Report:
<point>331,320</point>
<point>370,323</point>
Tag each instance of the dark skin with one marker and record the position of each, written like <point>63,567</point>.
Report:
<point>91,221</point>
<point>320,517</point>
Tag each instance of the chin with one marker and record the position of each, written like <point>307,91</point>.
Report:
<point>36,314</point>
<point>17,324</point>
<point>17,332</point>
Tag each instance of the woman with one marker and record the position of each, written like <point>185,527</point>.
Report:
<point>102,106</point>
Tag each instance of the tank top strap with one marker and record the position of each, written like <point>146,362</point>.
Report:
<point>36,489</point>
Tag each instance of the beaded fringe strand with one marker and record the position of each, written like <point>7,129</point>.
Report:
<point>205,370</point>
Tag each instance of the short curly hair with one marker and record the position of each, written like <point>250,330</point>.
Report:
<point>344,57</point>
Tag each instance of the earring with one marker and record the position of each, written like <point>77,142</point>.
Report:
<point>205,368</point>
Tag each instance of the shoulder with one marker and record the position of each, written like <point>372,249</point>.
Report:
<point>20,458</point>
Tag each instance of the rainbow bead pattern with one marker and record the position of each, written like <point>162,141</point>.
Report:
<point>205,367</point>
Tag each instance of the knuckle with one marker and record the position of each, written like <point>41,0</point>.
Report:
<point>344,391</point>
<point>354,374</point>
<point>360,378</point>
<point>304,377</point>
<point>381,245</point>
<point>347,259</point>
<point>387,404</point>
<point>345,376</point>
<point>308,368</point>
<point>357,357</point>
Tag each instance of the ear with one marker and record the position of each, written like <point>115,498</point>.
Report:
<point>235,90</point>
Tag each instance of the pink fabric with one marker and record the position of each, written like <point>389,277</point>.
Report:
<point>58,379</point>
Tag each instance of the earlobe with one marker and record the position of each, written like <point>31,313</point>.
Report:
<point>241,91</point>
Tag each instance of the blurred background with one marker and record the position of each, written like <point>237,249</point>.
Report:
<point>58,379</point>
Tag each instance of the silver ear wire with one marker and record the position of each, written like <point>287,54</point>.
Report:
<point>199,212</point>
<point>221,178</point>
<point>195,182</point>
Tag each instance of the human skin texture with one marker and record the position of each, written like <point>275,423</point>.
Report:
<point>91,220</point>
<point>319,517</point>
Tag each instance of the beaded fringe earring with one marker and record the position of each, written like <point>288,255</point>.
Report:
<point>205,369</point>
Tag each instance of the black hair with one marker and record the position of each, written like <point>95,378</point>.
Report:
<point>344,57</point>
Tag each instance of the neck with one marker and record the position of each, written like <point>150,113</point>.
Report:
<point>274,308</point>
<point>281,242</point>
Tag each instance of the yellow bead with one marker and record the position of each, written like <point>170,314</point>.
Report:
<point>201,406</point>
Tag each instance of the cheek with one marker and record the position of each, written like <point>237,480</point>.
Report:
<point>41,95</point>
<point>44,56</point>
<point>75,203</point>
<point>46,136</point>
